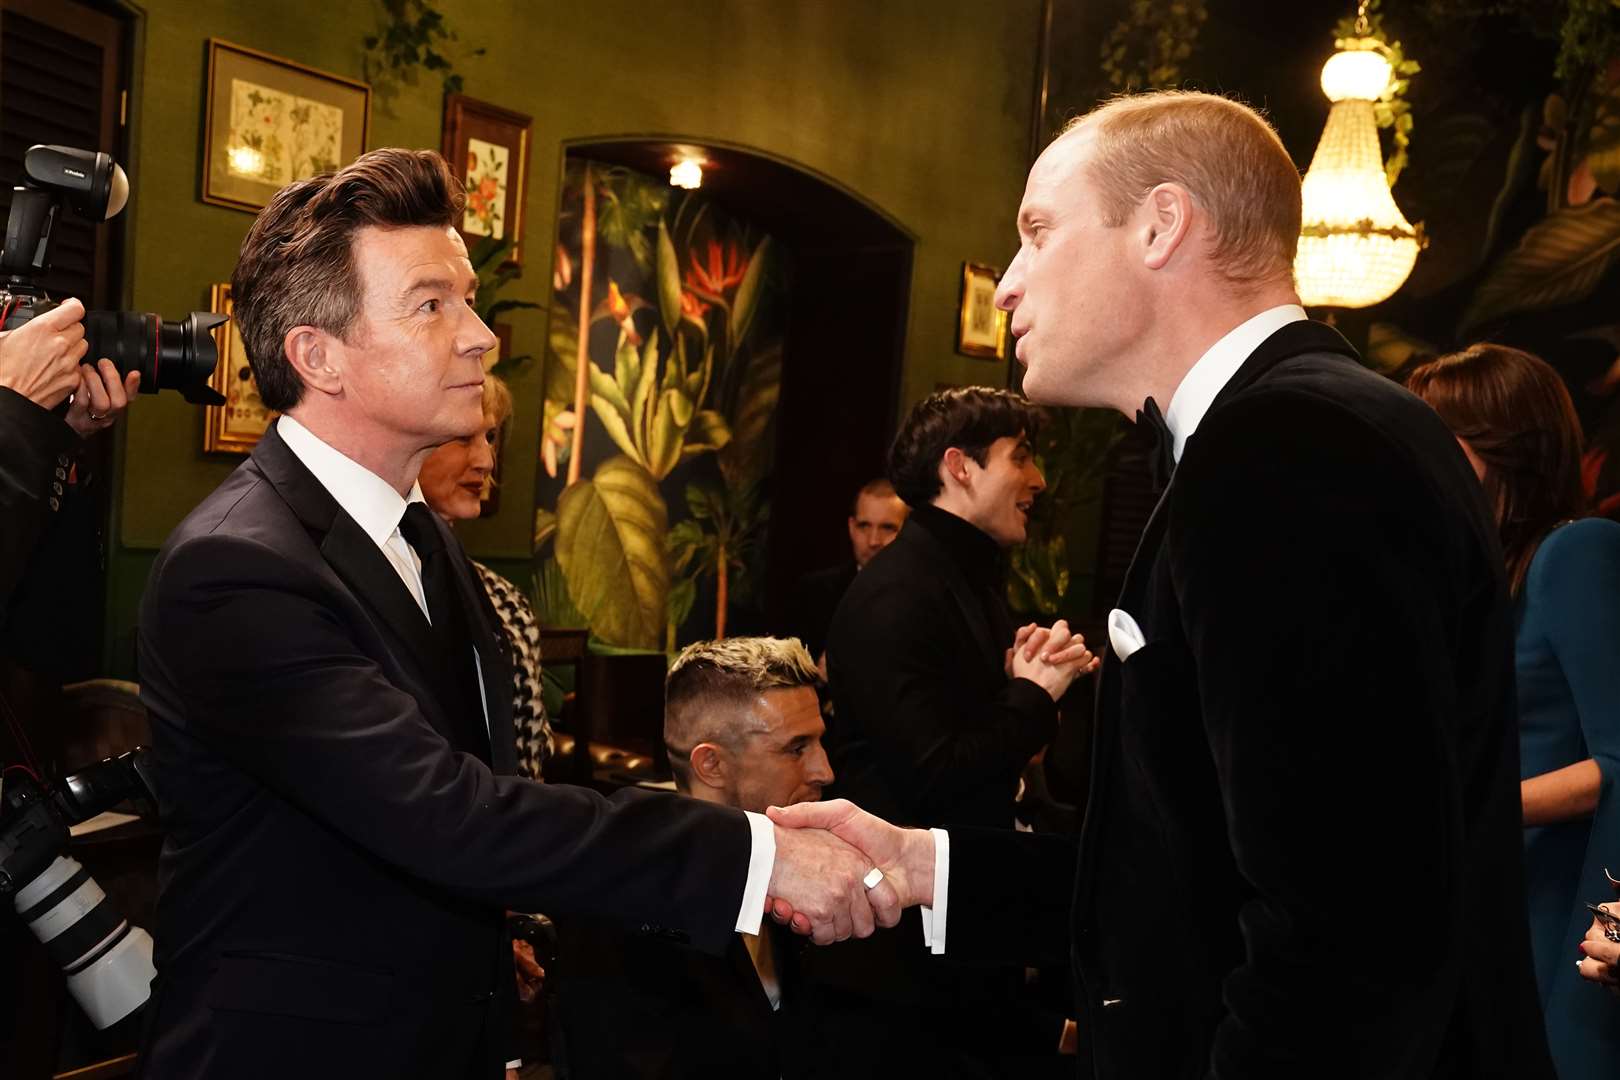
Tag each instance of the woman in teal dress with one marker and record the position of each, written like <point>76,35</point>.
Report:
<point>1513,417</point>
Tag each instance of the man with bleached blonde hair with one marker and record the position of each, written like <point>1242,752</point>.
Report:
<point>742,721</point>
<point>1300,856</point>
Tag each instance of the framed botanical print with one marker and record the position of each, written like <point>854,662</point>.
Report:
<point>271,121</point>
<point>982,327</point>
<point>234,427</point>
<point>488,149</point>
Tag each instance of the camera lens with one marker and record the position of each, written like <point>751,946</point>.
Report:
<point>169,355</point>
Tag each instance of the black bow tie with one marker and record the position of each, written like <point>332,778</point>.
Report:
<point>1162,454</point>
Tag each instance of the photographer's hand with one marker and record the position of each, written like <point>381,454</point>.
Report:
<point>40,359</point>
<point>101,397</point>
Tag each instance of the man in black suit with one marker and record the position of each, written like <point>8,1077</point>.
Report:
<point>875,519</point>
<point>934,723</point>
<point>742,722</point>
<point>1301,853</point>
<point>332,741</point>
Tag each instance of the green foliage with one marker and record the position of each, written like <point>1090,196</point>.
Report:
<point>1148,45</point>
<point>648,417</point>
<point>718,542</point>
<point>1392,111</point>
<point>552,604</point>
<point>1560,260</point>
<point>626,210</point>
<point>412,34</point>
<point>1072,451</point>
<point>1589,38</point>
<point>495,272</point>
<point>610,546</point>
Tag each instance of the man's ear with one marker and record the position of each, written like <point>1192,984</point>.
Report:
<point>310,350</point>
<point>709,765</point>
<point>1165,219</point>
<point>953,468</point>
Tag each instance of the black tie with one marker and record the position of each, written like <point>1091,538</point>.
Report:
<point>1162,459</point>
<point>448,615</point>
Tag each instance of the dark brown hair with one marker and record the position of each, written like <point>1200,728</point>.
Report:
<point>296,266</point>
<point>969,419</point>
<point>1514,413</point>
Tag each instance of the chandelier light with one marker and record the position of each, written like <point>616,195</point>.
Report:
<point>686,173</point>
<point>1355,247</point>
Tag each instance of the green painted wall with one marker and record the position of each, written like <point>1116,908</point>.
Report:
<point>920,106</point>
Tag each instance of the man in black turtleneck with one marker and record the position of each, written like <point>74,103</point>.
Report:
<point>934,721</point>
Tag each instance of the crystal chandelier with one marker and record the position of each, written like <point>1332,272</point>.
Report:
<point>1355,247</point>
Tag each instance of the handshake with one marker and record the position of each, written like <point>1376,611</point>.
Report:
<point>822,883</point>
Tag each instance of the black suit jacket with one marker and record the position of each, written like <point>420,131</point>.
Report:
<point>928,730</point>
<point>815,601</point>
<point>1302,850</point>
<point>643,1005</point>
<point>338,850</point>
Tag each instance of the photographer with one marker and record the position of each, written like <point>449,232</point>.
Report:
<point>39,369</point>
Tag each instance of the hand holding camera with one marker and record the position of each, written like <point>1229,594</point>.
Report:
<point>40,359</point>
<point>101,397</point>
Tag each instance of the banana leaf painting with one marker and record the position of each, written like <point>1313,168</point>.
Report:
<point>662,376</point>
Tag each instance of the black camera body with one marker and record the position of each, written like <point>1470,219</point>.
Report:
<point>108,962</point>
<point>169,355</point>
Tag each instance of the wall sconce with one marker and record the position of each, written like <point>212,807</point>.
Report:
<point>1355,247</point>
<point>686,173</point>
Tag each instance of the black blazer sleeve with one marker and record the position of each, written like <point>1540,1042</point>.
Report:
<point>893,666</point>
<point>33,444</point>
<point>248,651</point>
<point>1310,568</point>
<point>1009,898</point>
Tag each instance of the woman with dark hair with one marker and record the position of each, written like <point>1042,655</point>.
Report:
<point>1514,420</point>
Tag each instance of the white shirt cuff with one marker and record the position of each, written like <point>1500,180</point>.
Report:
<point>515,1063</point>
<point>761,861</point>
<point>933,917</point>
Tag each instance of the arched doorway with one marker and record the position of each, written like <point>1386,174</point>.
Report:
<point>839,315</point>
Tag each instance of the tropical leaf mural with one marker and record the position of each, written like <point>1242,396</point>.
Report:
<point>663,372</point>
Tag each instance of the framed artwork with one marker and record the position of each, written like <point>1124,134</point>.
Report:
<point>234,427</point>
<point>982,330</point>
<point>488,149</point>
<point>271,121</point>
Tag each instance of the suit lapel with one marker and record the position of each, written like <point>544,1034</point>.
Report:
<point>366,571</point>
<point>1291,340</point>
<point>493,662</point>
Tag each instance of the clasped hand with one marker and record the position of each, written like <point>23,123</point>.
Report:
<point>1051,658</point>
<point>824,851</point>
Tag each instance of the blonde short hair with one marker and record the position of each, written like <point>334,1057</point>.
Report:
<point>713,684</point>
<point>497,400</point>
<point>1227,157</point>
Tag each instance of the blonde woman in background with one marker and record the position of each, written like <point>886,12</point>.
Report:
<point>455,481</point>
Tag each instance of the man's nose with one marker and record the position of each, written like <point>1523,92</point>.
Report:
<point>1037,482</point>
<point>476,336</point>
<point>820,769</point>
<point>1010,290</point>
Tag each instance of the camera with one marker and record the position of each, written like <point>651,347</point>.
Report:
<point>108,962</point>
<point>169,355</point>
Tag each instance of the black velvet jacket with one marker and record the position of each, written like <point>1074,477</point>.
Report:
<point>1301,855</point>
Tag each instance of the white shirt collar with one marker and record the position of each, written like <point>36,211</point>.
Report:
<point>373,503</point>
<point>1205,380</point>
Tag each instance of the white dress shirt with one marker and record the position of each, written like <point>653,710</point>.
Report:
<point>1199,387</point>
<point>377,508</point>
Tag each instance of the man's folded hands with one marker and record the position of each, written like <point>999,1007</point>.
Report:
<point>824,850</point>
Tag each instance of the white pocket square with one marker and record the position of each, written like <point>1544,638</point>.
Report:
<point>1123,634</point>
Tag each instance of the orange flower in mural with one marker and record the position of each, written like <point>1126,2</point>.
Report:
<point>725,271</point>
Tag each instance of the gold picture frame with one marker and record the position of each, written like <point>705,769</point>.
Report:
<point>981,329</point>
<point>488,150</point>
<point>271,121</point>
<point>236,426</point>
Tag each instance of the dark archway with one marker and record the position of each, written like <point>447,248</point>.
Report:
<point>851,283</point>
